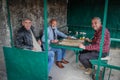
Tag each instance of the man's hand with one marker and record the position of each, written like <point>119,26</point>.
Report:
<point>34,49</point>
<point>81,46</point>
<point>88,40</point>
<point>69,37</point>
<point>54,41</point>
<point>39,42</point>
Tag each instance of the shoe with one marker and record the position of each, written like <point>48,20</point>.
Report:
<point>49,77</point>
<point>59,64</point>
<point>82,67</point>
<point>64,61</point>
<point>88,71</point>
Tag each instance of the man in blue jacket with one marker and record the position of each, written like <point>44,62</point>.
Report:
<point>53,34</point>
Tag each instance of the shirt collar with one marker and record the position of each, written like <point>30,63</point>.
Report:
<point>100,29</point>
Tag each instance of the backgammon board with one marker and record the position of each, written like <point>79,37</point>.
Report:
<point>71,42</point>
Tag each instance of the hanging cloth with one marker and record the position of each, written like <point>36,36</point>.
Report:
<point>35,44</point>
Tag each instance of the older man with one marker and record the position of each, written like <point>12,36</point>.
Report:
<point>25,39</point>
<point>53,34</point>
<point>92,51</point>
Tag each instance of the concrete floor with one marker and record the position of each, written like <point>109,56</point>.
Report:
<point>72,70</point>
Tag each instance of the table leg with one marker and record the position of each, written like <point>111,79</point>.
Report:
<point>77,54</point>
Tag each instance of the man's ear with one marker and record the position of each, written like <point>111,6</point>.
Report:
<point>22,23</point>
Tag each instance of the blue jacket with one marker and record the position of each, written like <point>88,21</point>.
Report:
<point>51,36</point>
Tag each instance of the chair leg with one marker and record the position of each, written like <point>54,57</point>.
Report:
<point>109,74</point>
<point>104,68</point>
<point>92,75</point>
<point>76,52</point>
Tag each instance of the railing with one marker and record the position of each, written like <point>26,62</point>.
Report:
<point>105,65</point>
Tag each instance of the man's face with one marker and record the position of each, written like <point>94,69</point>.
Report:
<point>53,24</point>
<point>96,24</point>
<point>27,24</point>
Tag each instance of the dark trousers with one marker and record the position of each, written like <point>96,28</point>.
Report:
<point>85,56</point>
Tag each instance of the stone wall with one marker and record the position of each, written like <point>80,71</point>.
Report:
<point>4,37</point>
<point>34,9</point>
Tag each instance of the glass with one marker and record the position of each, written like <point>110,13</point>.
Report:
<point>76,34</point>
<point>83,34</point>
<point>69,33</point>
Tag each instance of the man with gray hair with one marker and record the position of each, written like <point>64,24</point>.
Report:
<point>26,39</point>
<point>92,51</point>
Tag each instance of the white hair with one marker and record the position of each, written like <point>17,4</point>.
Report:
<point>97,19</point>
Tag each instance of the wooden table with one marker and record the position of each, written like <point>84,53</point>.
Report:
<point>69,44</point>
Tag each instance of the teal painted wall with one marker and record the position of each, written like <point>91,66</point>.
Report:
<point>80,13</point>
